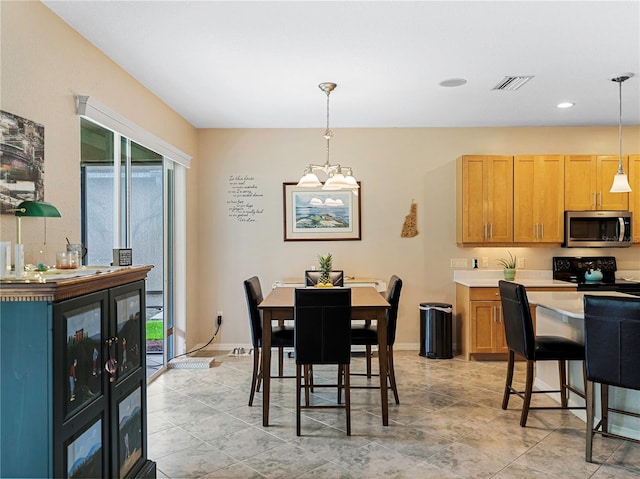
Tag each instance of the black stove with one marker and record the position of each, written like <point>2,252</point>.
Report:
<point>573,268</point>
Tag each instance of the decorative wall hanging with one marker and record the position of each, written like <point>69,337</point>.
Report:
<point>410,226</point>
<point>21,161</point>
<point>313,215</point>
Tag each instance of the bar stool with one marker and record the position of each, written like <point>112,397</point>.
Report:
<point>521,339</point>
<point>612,345</point>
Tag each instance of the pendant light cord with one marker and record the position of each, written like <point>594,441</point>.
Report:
<point>620,169</point>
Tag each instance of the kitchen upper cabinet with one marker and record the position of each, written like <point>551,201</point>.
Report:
<point>484,199</point>
<point>538,201</point>
<point>634,197</point>
<point>588,180</point>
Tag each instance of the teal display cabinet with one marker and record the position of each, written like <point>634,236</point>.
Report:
<point>73,375</point>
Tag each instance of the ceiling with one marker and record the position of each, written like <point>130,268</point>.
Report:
<point>242,64</point>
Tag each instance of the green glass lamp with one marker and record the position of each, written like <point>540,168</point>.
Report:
<point>34,209</point>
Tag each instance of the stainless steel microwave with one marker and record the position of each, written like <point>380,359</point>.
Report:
<point>597,229</point>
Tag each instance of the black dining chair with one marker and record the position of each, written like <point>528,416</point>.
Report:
<point>522,340</point>
<point>322,326</point>
<point>367,335</point>
<point>612,345</point>
<point>281,336</point>
<point>311,277</point>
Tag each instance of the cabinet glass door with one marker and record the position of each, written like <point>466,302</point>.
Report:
<point>82,356</point>
<point>84,453</point>
<point>128,313</point>
<point>129,431</point>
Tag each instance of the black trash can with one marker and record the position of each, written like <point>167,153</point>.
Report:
<point>436,340</point>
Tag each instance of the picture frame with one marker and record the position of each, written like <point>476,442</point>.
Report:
<point>313,214</point>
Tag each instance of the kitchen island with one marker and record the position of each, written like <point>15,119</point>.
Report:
<point>562,314</point>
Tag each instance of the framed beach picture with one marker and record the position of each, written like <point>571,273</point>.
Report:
<point>320,215</point>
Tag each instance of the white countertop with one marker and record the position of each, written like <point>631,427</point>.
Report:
<point>490,278</point>
<point>567,303</point>
<point>483,278</point>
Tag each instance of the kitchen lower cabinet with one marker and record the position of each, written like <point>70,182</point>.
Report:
<point>479,321</point>
<point>74,377</point>
<point>486,328</point>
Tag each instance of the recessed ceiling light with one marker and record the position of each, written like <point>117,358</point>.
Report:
<point>565,104</point>
<point>453,82</point>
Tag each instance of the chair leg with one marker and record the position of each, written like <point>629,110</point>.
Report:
<point>589,398</point>
<point>298,396</point>
<point>280,361</point>
<point>368,359</point>
<point>562,374</point>
<point>306,384</point>
<point>255,378</point>
<point>347,397</point>
<point>604,406</point>
<point>340,374</point>
<point>507,386</point>
<point>392,374</point>
<point>527,394</point>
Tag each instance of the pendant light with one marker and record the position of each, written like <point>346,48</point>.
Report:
<point>620,181</point>
<point>338,177</point>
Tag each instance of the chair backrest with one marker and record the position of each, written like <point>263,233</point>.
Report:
<point>322,326</point>
<point>253,292</point>
<point>518,325</point>
<point>393,297</point>
<point>311,277</point>
<point>612,340</point>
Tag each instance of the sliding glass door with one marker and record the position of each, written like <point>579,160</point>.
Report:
<point>128,203</point>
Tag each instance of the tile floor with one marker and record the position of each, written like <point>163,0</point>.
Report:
<point>449,424</point>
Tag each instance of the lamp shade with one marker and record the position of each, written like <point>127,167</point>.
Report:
<point>38,209</point>
<point>620,184</point>
<point>309,180</point>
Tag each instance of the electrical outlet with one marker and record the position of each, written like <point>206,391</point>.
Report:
<point>520,263</point>
<point>485,261</point>
<point>458,262</point>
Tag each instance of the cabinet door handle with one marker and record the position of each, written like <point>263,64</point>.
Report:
<point>484,234</point>
<point>541,230</point>
<point>600,198</point>
<point>491,230</point>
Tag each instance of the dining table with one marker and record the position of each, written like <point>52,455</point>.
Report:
<point>366,304</point>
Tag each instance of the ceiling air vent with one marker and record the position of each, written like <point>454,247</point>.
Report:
<point>512,83</point>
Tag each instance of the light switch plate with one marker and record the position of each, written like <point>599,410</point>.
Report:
<point>458,262</point>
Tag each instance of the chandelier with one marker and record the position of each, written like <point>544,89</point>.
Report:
<point>620,181</point>
<point>338,177</point>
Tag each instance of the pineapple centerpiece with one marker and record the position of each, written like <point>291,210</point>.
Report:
<point>325,268</point>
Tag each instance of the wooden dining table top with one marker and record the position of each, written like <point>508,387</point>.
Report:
<point>361,297</point>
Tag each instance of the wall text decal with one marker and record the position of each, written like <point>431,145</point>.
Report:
<point>243,197</point>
